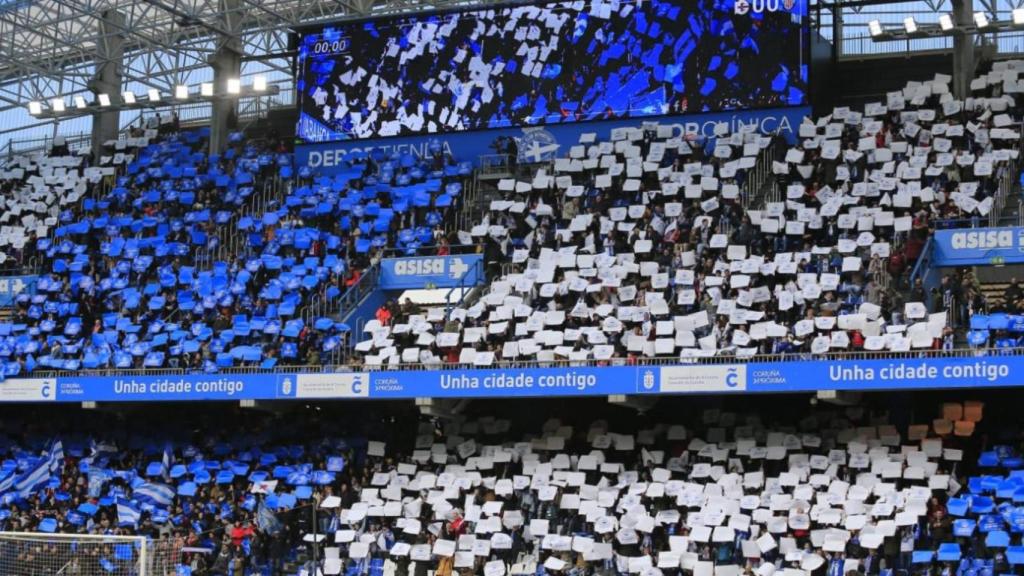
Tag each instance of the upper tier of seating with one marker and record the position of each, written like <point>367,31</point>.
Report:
<point>132,277</point>
<point>641,246</point>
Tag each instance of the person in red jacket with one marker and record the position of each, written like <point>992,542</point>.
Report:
<point>240,532</point>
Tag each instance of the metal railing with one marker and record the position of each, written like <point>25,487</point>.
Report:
<point>74,142</point>
<point>495,165</point>
<point>454,249</point>
<point>644,361</point>
<point>321,306</point>
<point>760,184</point>
<point>231,242</point>
<point>924,262</point>
<point>1008,182</point>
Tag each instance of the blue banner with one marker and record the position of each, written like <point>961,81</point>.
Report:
<point>11,286</point>
<point>538,144</point>
<point>431,272</point>
<point>503,382</point>
<point>978,246</point>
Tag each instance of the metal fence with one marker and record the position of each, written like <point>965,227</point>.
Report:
<point>649,361</point>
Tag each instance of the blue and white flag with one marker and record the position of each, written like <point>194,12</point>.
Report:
<point>154,493</point>
<point>97,479</point>
<point>127,514</point>
<point>266,520</point>
<point>56,456</point>
<point>8,482</point>
<point>98,451</point>
<point>168,461</point>
<point>33,479</point>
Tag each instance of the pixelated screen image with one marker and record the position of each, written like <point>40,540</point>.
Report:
<point>558,62</point>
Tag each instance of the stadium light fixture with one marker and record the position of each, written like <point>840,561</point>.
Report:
<point>946,22</point>
<point>234,85</point>
<point>128,96</point>
<point>910,25</point>
<point>154,95</point>
<point>35,108</point>
<point>259,83</point>
<point>206,89</point>
<point>104,99</point>
<point>981,20</point>
<point>80,103</point>
<point>875,28</point>
<point>1018,16</point>
<point>181,92</point>
<point>58,105</point>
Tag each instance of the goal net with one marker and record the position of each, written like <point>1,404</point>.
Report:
<point>42,554</point>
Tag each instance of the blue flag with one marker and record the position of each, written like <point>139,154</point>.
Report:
<point>127,513</point>
<point>168,461</point>
<point>266,520</point>
<point>154,493</point>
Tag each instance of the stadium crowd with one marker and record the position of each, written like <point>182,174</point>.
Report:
<point>134,275</point>
<point>828,490</point>
<point>640,246</point>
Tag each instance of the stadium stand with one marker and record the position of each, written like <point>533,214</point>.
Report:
<point>825,490</point>
<point>133,280</point>
<point>641,246</point>
<point>697,264</point>
<point>305,248</point>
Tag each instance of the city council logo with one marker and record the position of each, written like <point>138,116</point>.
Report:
<point>648,379</point>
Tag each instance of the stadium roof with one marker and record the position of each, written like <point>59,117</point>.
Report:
<point>51,48</point>
<point>55,45</point>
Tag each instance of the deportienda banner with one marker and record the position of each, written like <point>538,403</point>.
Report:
<point>539,144</point>
<point>431,272</point>
<point>978,246</point>
<point>504,382</point>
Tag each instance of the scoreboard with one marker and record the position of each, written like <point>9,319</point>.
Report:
<point>549,63</point>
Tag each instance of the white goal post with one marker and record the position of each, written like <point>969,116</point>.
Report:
<point>39,553</point>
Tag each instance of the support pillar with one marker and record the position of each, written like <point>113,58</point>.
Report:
<point>963,49</point>
<point>226,63</point>
<point>106,125</point>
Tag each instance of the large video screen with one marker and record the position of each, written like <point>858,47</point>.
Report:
<point>557,62</point>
